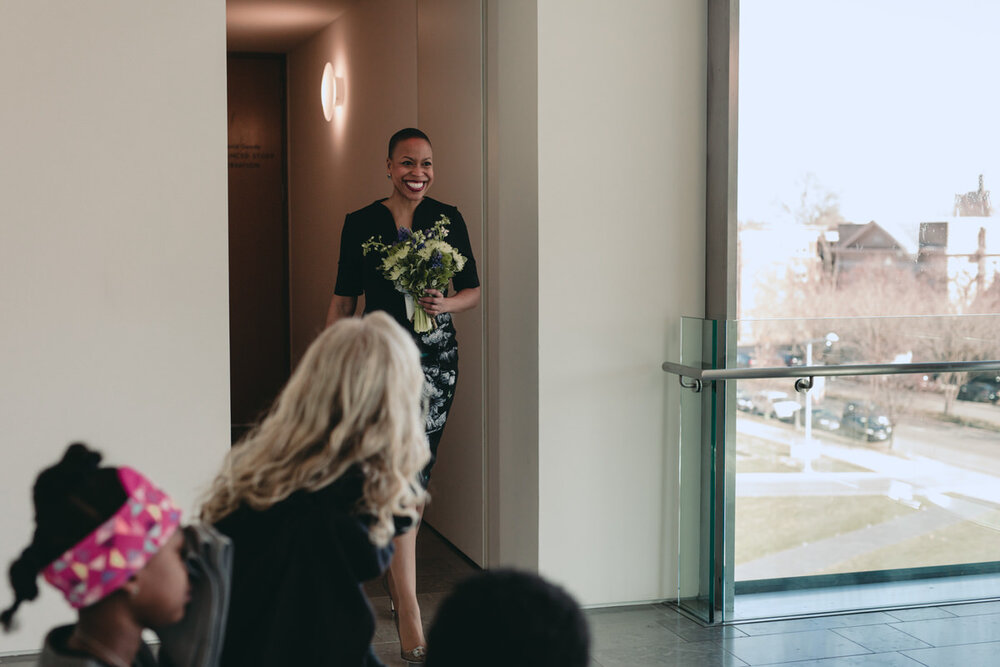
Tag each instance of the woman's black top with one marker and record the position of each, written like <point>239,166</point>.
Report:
<point>357,273</point>
<point>296,586</point>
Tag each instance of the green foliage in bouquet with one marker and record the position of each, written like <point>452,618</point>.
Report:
<point>416,262</point>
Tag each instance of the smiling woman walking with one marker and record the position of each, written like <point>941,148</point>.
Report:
<point>410,169</point>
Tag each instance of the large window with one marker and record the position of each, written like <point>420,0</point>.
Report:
<point>868,142</point>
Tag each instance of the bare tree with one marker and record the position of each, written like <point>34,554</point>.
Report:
<point>880,312</point>
<point>817,208</point>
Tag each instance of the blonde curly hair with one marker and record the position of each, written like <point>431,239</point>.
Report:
<point>355,398</point>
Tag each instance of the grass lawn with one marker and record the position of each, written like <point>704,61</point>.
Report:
<point>771,524</point>
<point>962,542</point>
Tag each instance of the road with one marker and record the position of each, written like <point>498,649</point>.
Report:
<point>969,448</point>
<point>933,460</point>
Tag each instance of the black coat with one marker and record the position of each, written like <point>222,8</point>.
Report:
<point>360,274</point>
<point>297,573</point>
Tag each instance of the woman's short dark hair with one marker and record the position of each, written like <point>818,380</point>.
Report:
<point>403,135</point>
<point>72,498</point>
<point>507,617</point>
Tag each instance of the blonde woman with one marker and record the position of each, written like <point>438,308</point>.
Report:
<point>314,495</point>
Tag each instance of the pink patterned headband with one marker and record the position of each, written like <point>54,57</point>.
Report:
<point>103,561</point>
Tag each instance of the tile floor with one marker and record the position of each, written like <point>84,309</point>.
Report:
<point>647,635</point>
<point>655,634</point>
<point>439,568</point>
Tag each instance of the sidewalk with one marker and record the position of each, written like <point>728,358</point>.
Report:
<point>890,474</point>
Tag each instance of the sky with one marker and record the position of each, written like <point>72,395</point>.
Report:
<point>893,105</point>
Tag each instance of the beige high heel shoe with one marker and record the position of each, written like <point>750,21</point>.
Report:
<point>416,655</point>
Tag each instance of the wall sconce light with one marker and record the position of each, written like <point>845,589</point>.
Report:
<point>331,91</point>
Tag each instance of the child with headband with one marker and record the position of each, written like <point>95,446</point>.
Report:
<point>108,539</point>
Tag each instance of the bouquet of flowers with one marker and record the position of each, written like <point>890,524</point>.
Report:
<point>418,261</point>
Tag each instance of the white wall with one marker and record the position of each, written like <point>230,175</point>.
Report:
<point>113,251</point>
<point>621,163</point>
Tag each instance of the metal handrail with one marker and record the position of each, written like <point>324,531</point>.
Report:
<point>700,375</point>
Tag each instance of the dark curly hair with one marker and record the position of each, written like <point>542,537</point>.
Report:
<point>507,617</point>
<point>72,498</point>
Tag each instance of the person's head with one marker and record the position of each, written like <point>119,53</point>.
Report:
<point>410,164</point>
<point>354,399</point>
<point>103,536</point>
<point>507,617</point>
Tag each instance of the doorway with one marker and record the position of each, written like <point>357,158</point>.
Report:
<point>258,236</point>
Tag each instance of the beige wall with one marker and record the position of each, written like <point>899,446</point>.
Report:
<point>511,300</point>
<point>621,163</point>
<point>339,166</point>
<point>592,251</point>
<point>404,64</point>
<point>450,110</point>
<point>113,251</point>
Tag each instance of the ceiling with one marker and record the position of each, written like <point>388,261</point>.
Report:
<point>278,26</point>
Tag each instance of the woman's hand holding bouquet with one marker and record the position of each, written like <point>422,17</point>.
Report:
<point>416,262</point>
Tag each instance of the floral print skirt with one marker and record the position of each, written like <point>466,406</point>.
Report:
<point>439,359</point>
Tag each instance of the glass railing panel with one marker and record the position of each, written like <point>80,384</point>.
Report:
<point>868,492</point>
<point>696,510</point>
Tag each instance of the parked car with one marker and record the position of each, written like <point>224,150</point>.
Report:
<point>743,401</point>
<point>983,389</point>
<point>866,420</point>
<point>824,419</point>
<point>776,405</point>
<point>791,355</point>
